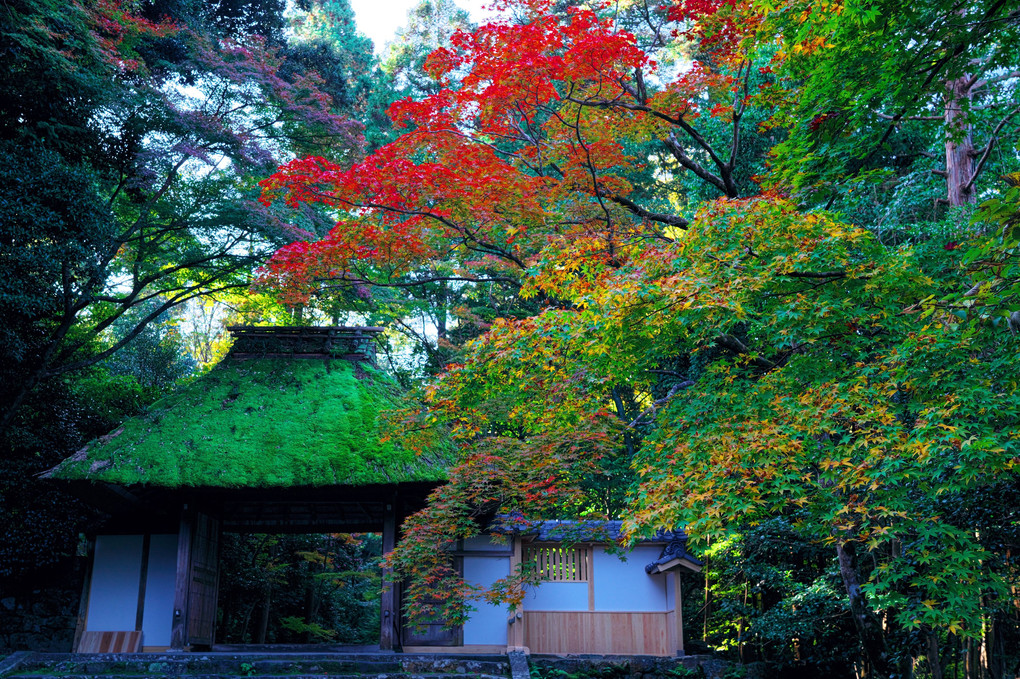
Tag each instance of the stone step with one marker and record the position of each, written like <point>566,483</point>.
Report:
<point>260,675</point>
<point>150,665</point>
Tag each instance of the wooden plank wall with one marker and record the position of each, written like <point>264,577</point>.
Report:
<point>600,632</point>
<point>110,642</point>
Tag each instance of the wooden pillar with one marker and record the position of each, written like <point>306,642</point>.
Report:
<point>515,620</point>
<point>86,588</point>
<point>388,607</point>
<point>591,576</point>
<point>179,630</point>
<point>143,577</point>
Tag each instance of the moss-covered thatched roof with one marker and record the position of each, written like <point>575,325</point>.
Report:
<point>270,422</point>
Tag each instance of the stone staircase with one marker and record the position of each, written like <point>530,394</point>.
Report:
<point>265,665</point>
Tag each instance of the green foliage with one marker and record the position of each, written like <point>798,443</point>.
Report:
<point>682,672</point>
<point>430,25</point>
<point>865,105</point>
<point>156,357</point>
<point>591,671</point>
<point>325,39</point>
<point>54,221</point>
<point>303,588</point>
<point>314,631</point>
<point>770,585</point>
<point>868,407</point>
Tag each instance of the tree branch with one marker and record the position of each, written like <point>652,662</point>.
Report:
<point>672,220</point>
<point>731,343</point>
<point>650,409</point>
<point>347,282</point>
<point>994,79</point>
<point>988,147</point>
<point>674,146</point>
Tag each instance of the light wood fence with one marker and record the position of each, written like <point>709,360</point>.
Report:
<point>600,632</point>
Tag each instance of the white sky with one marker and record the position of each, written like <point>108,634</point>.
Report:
<point>380,19</point>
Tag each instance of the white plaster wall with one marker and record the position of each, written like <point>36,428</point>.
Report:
<point>624,585</point>
<point>557,596</point>
<point>670,579</point>
<point>116,573</point>
<point>487,625</point>
<point>160,581</point>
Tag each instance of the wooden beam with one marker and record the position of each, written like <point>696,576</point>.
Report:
<point>515,619</point>
<point>143,577</point>
<point>179,630</point>
<point>487,649</point>
<point>591,577</point>
<point>388,608</point>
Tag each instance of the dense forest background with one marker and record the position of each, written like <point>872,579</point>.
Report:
<point>748,267</point>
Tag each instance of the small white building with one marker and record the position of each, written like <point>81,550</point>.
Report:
<point>592,598</point>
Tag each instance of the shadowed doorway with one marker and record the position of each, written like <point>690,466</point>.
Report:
<point>297,589</point>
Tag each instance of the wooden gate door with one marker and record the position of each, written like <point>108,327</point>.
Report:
<point>434,634</point>
<point>204,585</point>
<point>431,635</point>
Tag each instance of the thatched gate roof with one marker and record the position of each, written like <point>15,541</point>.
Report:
<point>263,420</point>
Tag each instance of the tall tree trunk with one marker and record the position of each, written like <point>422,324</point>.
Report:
<point>996,647</point>
<point>708,596</point>
<point>959,141</point>
<point>934,660</point>
<point>311,609</point>
<point>264,616</point>
<point>869,629</point>
<point>441,318</point>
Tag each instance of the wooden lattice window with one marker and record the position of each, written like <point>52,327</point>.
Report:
<point>556,563</point>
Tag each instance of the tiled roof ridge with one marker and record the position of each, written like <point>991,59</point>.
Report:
<point>575,530</point>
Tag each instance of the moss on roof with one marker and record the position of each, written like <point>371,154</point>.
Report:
<point>260,423</point>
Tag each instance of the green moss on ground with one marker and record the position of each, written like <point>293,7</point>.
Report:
<point>260,423</point>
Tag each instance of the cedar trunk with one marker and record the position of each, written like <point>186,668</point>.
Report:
<point>934,657</point>
<point>959,142</point>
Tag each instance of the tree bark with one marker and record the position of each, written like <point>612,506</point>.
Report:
<point>869,629</point>
<point>264,617</point>
<point>708,597</point>
<point>312,609</point>
<point>934,660</point>
<point>959,141</point>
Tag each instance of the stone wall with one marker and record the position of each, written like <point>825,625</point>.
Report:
<point>640,667</point>
<point>41,616</point>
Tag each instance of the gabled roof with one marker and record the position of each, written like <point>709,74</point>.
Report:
<point>675,555</point>
<point>260,423</point>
